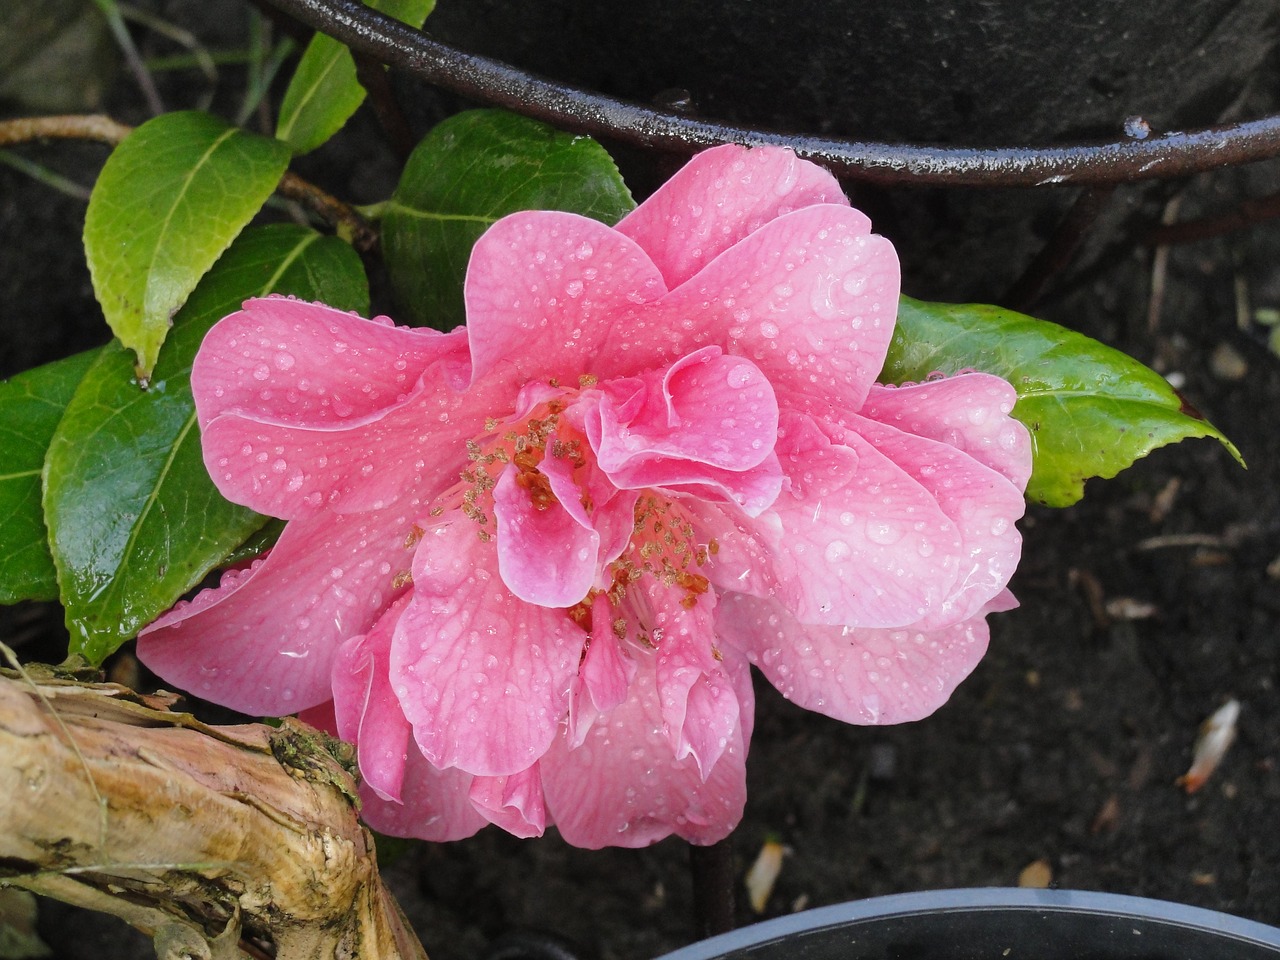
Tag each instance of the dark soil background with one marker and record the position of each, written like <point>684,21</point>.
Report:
<point>1144,608</point>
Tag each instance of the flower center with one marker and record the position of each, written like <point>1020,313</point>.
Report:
<point>524,444</point>
<point>664,548</point>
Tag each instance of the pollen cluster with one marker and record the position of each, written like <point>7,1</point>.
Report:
<point>524,445</point>
<point>663,547</point>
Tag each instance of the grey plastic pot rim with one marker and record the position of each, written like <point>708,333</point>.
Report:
<point>982,900</point>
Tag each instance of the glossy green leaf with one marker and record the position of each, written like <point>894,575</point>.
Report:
<point>134,519</point>
<point>169,200</point>
<point>1092,411</point>
<point>469,171</point>
<point>31,405</point>
<point>324,91</point>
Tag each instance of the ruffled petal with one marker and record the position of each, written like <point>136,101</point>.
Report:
<point>623,788</point>
<point>969,412</point>
<point>741,553</point>
<point>811,298</point>
<point>548,553</point>
<point>706,425</point>
<point>482,676</point>
<point>366,710</point>
<point>604,674</point>
<point>707,408</point>
<point>436,806</point>
<point>544,289</point>
<point>262,641</point>
<point>290,472</point>
<point>854,674</point>
<point>983,503</point>
<point>307,364</point>
<point>698,705</point>
<point>514,802</point>
<point>861,542</point>
<point>719,197</point>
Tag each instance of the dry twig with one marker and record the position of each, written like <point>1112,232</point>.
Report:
<point>220,842</point>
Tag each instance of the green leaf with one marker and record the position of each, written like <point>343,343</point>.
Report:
<point>1092,411</point>
<point>31,405</point>
<point>133,516</point>
<point>324,91</point>
<point>469,171</point>
<point>169,200</point>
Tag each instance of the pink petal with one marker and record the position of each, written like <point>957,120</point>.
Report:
<point>514,803</point>
<point>366,710</point>
<point>709,716</point>
<point>858,675</point>
<point>983,504</point>
<point>811,298</point>
<point>482,676</point>
<point>413,444</point>
<point>263,641</point>
<point>706,407</point>
<point>603,676</point>
<point>547,555</point>
<point>437,804</point>
<point>543,289</point>
<point>307,364</point>
<point>605,673</point>
<point>744,552</point>
<point>753,490</point>
<point>719,197</point>
<point>708,419</point>
<point>614,520</point>
<point>970,412</point>
<point>861,542</point>
<point>623,788</point>
<point>699,709</point>
<point>612,513</point>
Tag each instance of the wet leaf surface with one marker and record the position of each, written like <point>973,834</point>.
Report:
<point>31,405</point>
<point>170,199</point>
<point>324,91</point>
<point>1092,411</point>
<point>471,170</point>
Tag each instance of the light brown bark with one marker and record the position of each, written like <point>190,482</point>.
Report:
<point>220,842</point>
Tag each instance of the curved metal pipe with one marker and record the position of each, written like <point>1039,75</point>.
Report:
<point>572,108</point>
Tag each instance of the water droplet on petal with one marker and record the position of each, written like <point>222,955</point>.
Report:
<point>883,532</point>
<point>836,551</point>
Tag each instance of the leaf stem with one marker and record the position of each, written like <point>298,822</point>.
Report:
<point>345,220</point>
<point>120,31</point>
<point>43,174</point>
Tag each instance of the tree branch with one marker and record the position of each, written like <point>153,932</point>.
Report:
<point>492,82</point>
<point>219,842</point>
<point>341,216</point>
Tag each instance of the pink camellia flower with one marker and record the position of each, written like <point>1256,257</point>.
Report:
<point>528,561</point>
